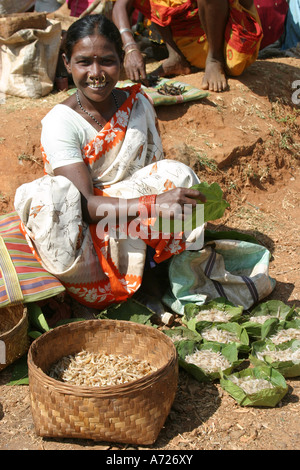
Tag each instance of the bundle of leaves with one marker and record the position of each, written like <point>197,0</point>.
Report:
<point>226,333</point>
<point>181,333</point>
<point>206,361</point>
<point>285,357</point>
<point>257,386</point>
<point>284,331</point>
<point>264,319</point>
<point>219,310</point>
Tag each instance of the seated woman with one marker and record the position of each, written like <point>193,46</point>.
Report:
<point>89,218</point>
<point>221,36</point>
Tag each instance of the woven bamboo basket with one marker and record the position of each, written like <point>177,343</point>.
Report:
<point>14,340</point>
<point>133,412</point>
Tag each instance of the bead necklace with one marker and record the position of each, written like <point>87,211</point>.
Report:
<point>89,114</point>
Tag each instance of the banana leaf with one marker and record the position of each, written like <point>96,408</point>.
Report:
<point>288,368</point>
<point>185,348</point>
<point>268,397</point>
<point>191,312</point>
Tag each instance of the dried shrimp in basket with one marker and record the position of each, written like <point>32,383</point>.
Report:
<point>99,369</point>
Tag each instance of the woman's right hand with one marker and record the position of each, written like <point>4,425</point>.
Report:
<point>134,65</point>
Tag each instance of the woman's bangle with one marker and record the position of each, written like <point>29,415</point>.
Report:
<point>125,30</point>
<point>132,43</point>
<point>131,50</point>
<point>146,205</point>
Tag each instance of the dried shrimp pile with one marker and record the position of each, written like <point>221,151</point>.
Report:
<point>209,361</point>
<point>99,369</point>
<point>251,385</point>
<point>285,335</point>
<point>213,315</point>
<point>178,338</point>
<point>280,355</point>
<point>260,318</point>
<point>219,335</point>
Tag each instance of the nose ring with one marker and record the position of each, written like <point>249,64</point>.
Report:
<point>97,80</point>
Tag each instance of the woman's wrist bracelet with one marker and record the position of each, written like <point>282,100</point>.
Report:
<point>125,30</point>
<point>131,43</point>
<point>131,50</point>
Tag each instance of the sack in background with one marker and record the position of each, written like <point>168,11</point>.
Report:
<point>15,6</point>
<point>235,270</point>
<point>29,56</point>
<point>10,24</point>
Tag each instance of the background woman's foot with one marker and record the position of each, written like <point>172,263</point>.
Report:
<point>172,66</point>
<point>214,76</point>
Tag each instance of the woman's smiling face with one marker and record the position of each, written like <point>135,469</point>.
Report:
<point>93,58</point>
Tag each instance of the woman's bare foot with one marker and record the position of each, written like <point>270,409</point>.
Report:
<point>172,66</point>
<point>214,77</point>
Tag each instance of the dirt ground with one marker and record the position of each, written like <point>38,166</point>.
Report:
<point>247,139</point>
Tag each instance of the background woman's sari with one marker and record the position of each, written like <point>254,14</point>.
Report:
<point>243,32</point>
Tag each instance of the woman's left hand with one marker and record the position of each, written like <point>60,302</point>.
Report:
<point>178,203</point>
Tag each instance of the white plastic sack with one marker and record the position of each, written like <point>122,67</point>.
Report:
<point>28,61</point>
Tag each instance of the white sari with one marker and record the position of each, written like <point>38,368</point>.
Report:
<point>125,160</point>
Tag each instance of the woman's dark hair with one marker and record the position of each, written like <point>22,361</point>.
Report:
<point>88,26</point>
